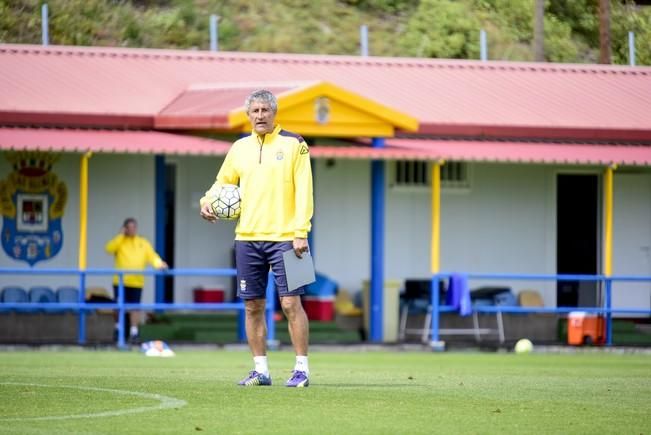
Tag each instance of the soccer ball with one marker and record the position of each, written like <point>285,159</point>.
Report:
<point>523,345</point>
<point>226,204</point>
<point>156,348</point>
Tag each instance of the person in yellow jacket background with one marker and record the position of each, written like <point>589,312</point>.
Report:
<point>272,168</point>
<point>132,251</point>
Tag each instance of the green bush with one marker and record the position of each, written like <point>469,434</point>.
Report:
<point>442,28</point>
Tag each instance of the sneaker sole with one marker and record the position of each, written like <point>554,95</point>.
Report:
<point>255,384</point>
<point>304,384</point>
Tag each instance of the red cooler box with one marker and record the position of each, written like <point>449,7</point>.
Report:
<point>321,308</point>
<point>212,295</point>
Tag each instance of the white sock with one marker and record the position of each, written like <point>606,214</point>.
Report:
<point>261,365</point>
<point>301,364</point>
<point>133,330</point>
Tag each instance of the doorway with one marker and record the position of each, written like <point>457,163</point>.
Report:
<point>577,238</point>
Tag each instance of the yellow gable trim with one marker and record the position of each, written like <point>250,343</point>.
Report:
<point>349,114</point>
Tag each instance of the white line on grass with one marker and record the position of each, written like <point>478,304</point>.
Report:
<point>166,402</point>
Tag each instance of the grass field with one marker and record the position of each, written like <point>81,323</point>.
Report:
<point>372,392</point>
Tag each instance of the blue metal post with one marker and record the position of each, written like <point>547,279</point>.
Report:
<point>631,48</point>
<point>483,45</point>
<point>241,325</point>
<point>310,235</point>
<point>121,312</point>
<point>435,308</point>
<point>45,36</point>
<point>214,33</point>
<point>363,40</point>
<point>271,324</point>
<point>241,318</point>
<point>609,316</point>
<point>81,317</point>
<point>160,217</point>
<point>377,246</point>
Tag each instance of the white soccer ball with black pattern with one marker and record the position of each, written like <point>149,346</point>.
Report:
<point>226,204</point>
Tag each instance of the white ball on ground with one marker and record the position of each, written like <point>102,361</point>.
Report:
<point>523,345</point>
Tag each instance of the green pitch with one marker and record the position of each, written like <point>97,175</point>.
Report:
<point>374,392</point>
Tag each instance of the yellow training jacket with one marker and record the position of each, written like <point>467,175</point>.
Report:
<point>132,253</point>
<point>275,179</point>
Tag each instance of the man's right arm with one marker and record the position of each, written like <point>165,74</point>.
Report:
<point>114,244</point>
<point>227,175</point>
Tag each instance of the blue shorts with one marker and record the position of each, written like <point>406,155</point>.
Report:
<point>132,295</point>
<point>253,260</point>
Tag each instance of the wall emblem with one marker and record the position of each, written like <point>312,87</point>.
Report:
<point>32,203</point>
<point>322,110</point>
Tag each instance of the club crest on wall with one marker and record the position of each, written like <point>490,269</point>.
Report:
<point>322,110</point>
<point>32,203</point>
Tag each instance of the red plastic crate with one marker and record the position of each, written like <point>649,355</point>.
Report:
<point>319,308</point>
<point>212,295</point>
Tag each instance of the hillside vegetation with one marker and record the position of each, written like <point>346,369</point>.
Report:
<point>426,28</point>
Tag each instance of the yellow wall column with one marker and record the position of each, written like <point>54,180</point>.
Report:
<point>436,252</point>
<point>83,210</point>
<point>608,249</point>
<point>608,220</point>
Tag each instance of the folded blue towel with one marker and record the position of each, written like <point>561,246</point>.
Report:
<point>458,294</point>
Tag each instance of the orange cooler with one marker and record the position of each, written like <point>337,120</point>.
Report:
<point>584,328</point>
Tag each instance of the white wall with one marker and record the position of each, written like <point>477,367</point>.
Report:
<point>506,222</point>
<point>632,238</point>
<point>119,186</point>
<point>128,182</point>
<point>502,224</point>
<point>342,221</point>
<point>199,243</point>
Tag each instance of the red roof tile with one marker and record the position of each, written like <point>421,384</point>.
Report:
<point>107,141</point>
<point>152,142</point>
<point>115,87</point>
<point>207,106</point>
<point>528,152</point>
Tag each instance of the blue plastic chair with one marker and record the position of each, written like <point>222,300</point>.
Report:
<point>14,294</point>
<point>68,295</point>
<point>323,286</point>
<point>41,294</point>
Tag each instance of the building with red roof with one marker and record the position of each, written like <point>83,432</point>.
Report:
<point>524,151</point>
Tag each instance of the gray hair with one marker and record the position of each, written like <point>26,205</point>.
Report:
<point>261,95</point>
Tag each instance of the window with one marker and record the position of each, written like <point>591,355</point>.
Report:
<point>412,173</point>
<point>416,174</point>
<point>454,175</point>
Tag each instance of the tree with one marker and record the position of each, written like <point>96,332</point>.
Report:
<point>604,31</point>
<point>444,29</point>
<point>539,31</point>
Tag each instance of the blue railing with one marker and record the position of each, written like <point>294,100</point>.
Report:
<point>606,310</point>
<point>82,307</point>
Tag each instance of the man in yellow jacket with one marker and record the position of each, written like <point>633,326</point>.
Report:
<point>272,168</point>
<point>132,252</point>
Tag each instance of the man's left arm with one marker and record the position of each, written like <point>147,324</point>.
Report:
<point>303,197</point>
<point>153,258</point>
